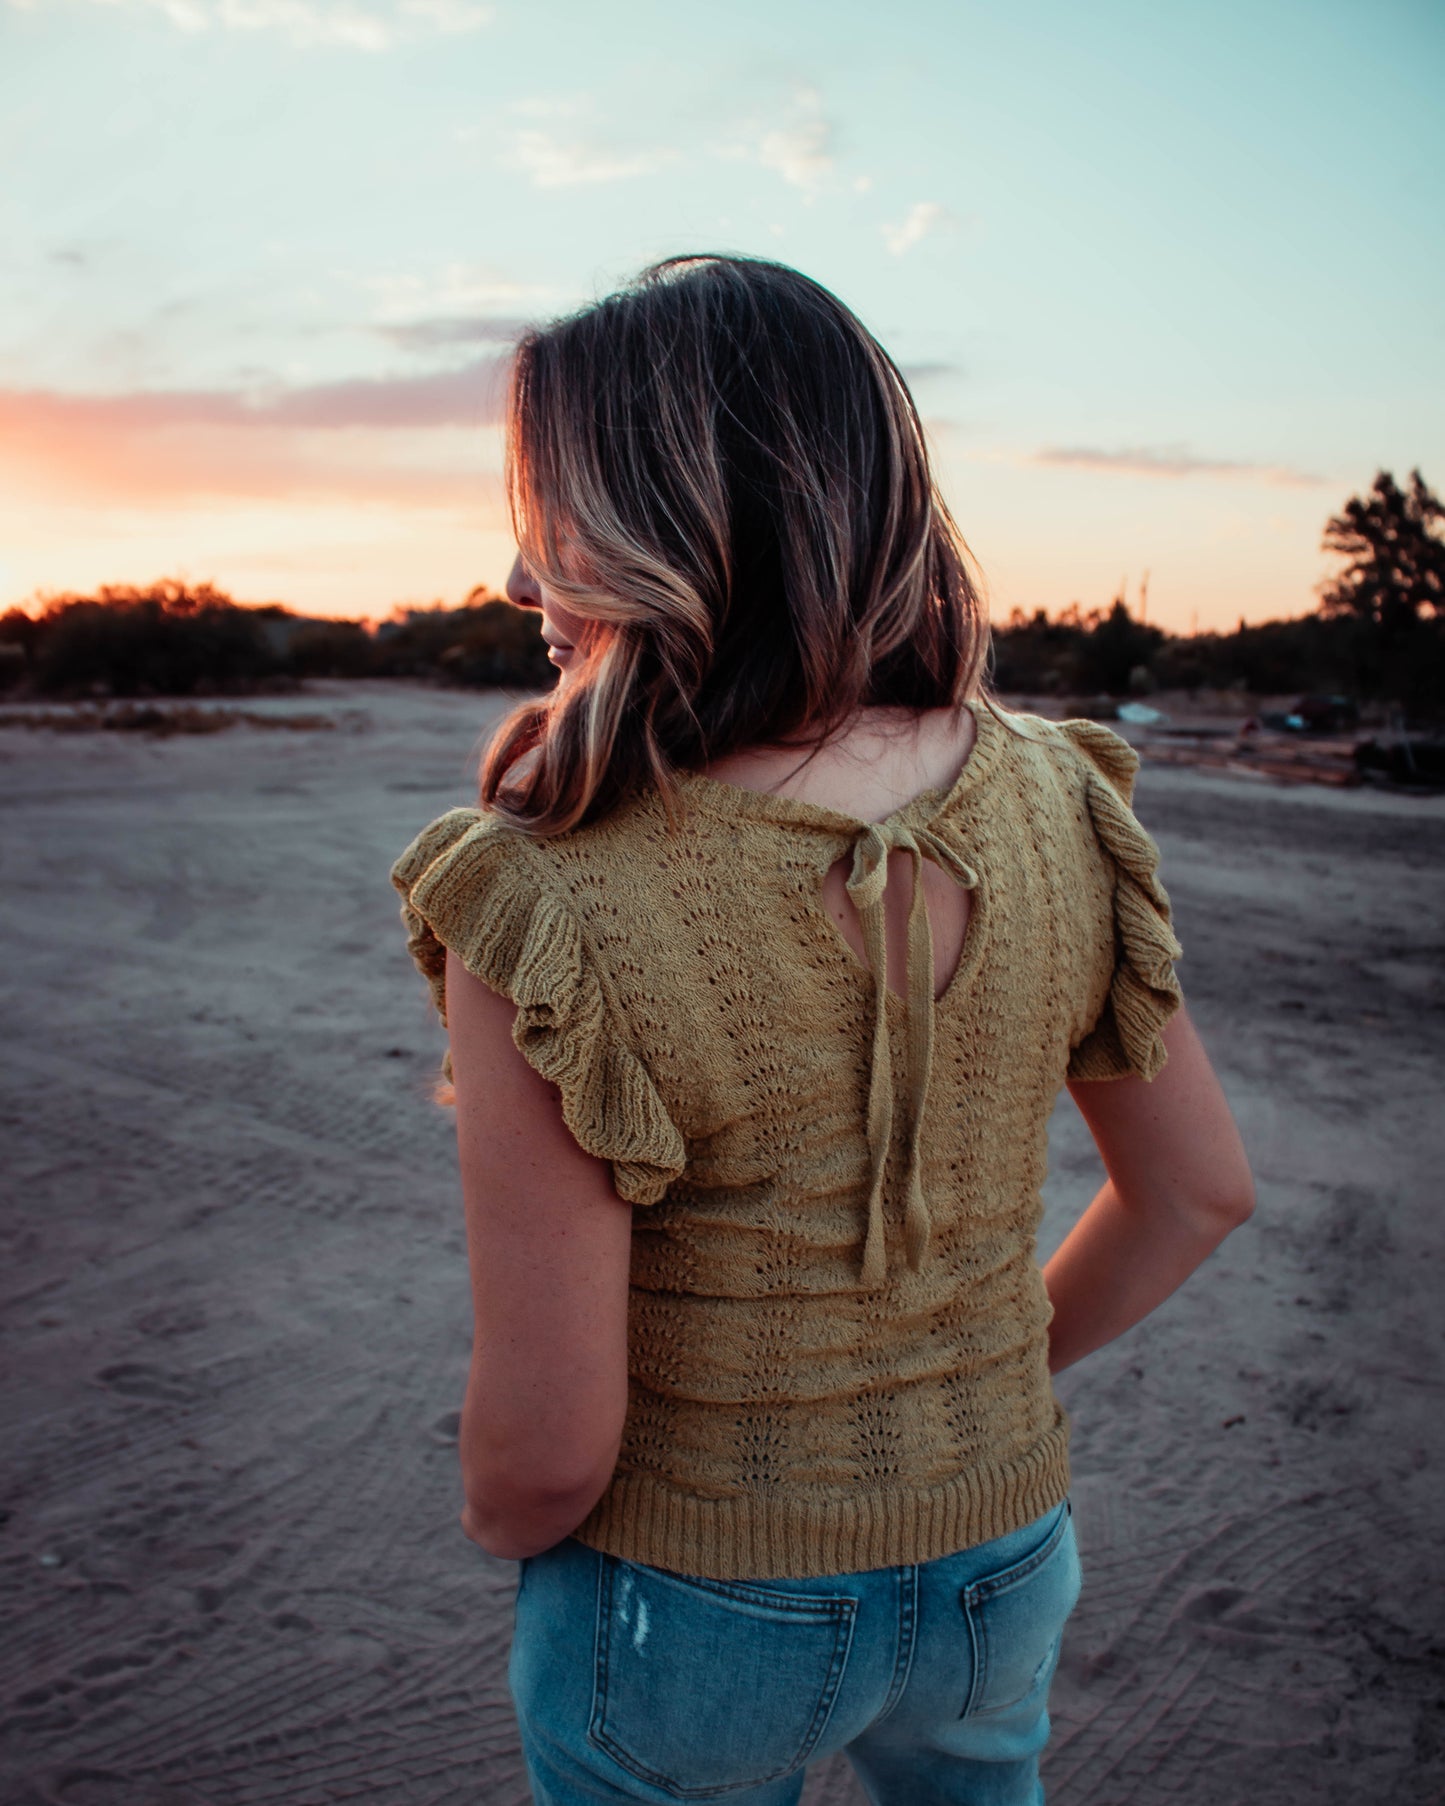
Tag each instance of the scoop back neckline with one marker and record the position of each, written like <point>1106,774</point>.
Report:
<point>926,806</point>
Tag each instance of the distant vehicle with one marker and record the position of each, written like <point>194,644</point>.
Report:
<point>1315,715</point>
<point>1326,714</point>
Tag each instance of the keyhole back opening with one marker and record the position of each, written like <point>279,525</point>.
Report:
<point>949,905</point>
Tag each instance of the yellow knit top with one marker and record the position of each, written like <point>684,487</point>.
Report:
<point>838,1349</point>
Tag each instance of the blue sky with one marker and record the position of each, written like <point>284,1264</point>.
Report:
<point>1167,281</point>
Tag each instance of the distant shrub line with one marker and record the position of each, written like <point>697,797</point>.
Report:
<point>171,640</point>
<point>1378,636</point>
<point>175,640</point>
<point>1110,653</point>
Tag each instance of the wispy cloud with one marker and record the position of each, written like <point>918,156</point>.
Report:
<point>796,142</point>
<point>438,333</point>
<point>801,149</point>
<point>450,17</point>
<point>456,288</point>
<point>547,106</point>
<point>309,24</point>
<point>466,397</point>
<point>1169,461</point>
<point>915,226</point>
<point>457,306</point>
<point>923,372</point>
<point>553,162</point>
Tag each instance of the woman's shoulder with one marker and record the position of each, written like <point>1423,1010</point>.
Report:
<point>458,834</point>
<point>477,854</point>
<point>1087,749</point>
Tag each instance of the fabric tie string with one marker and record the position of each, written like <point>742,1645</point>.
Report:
<point>865,886</point>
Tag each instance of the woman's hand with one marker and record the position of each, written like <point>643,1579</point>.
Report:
<point>1178,1183</point>
<point>549,1244</point>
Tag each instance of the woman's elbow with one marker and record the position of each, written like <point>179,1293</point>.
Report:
<point>517,1518</point>
<point>1228,1204</point>
<point>512,1534</point>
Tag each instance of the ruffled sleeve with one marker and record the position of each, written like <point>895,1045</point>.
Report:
<point>476,887</point>
<point>1144,992</point>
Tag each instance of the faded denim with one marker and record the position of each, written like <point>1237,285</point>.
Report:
<point>636,1684</point>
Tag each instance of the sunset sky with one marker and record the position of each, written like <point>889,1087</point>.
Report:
<point>1168,281</point>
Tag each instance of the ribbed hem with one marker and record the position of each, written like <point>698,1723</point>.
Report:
<point>643,1518</point>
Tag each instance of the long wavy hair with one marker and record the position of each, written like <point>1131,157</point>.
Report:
<point>723,473</point>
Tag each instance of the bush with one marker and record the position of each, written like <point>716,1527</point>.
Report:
<point>331,649</point>
<point>174,640</point>
<point>481,643</point>
<point>1076,654</point>
<point>501,645</point>
<point>168,640</point>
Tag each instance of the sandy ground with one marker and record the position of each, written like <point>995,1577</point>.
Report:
<point>236,1320</point>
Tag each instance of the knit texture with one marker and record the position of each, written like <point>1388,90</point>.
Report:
<point>838,1348</point>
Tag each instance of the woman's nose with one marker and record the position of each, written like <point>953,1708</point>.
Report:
<point>522,586</point>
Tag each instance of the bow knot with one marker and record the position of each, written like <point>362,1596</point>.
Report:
<point>865,886</point>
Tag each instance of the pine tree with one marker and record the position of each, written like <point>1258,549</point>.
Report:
<point>1396,573</point>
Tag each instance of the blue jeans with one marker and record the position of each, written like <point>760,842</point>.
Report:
<point>636,1684</point>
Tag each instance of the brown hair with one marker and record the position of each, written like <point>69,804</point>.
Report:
<point>722,470</point>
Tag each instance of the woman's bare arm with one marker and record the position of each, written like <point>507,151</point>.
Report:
<point>1178,1183</point>
<point>549,1243</point>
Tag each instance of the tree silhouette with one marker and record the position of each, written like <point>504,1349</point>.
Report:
<point>1396,573</point>
<point>1116,647</point>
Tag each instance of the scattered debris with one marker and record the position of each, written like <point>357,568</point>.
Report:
<point>1255,751</point>
<point>1414,760</point>
<point>1316,741</point>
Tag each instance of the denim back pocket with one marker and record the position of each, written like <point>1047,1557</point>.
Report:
<point>1016,1620</point>
<point>704,1686</point>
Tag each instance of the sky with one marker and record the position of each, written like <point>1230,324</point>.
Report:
<point>1168,282</point>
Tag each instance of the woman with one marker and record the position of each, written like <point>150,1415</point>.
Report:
<point>763,964</point>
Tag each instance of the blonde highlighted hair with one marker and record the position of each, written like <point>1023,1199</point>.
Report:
<point>723,473</point>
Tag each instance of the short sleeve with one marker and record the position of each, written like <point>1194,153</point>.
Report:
<point>1144,991</point>
<point>476,887</point>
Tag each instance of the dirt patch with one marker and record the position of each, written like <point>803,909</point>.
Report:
<point>160,720</point>
<point>236,1317</point>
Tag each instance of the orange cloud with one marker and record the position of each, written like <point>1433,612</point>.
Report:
<point>410,441</point>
